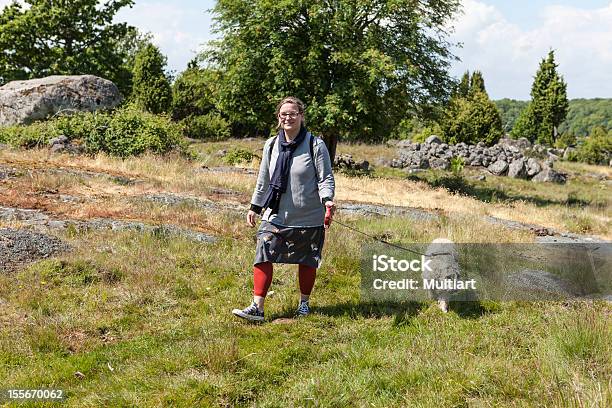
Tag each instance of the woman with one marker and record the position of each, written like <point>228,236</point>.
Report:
<point>294,187</point>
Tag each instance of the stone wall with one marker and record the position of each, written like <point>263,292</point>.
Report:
<point>513,158</point>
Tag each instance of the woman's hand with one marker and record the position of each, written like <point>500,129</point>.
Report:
<point>250,218</point>
<point>332,210</point>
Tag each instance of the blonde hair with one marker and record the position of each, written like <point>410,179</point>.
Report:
<point>295,101</point>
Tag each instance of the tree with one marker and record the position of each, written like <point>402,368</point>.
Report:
<point>151,91</point>
<point>548,108</point>
<point>477,83</point>
<point>64,37</point>
<point>472,120</point>
<point>463,88</point>
<point>194,103</point>
<point>360,66</point>
<point>470,115</point>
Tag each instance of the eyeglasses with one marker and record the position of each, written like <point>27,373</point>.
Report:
<point>291,115</point>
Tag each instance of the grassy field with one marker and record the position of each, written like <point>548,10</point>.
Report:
<point>133,319</point>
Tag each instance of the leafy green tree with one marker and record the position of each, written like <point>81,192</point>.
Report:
<point>151,91</point>
<point>541,119</point>
<point>194,92</point>
<point>361,66</point>
<point>470,116</point>
<point>64,37</point>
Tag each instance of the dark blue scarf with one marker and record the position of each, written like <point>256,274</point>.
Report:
<point>280,177</point>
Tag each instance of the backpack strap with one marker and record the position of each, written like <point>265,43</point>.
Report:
<point>312,139</point>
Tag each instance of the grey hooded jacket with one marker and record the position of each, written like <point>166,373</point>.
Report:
<point>302,205</point>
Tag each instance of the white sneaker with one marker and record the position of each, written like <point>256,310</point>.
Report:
<point>251,313</point>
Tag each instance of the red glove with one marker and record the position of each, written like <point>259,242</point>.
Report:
<point>328,217</point>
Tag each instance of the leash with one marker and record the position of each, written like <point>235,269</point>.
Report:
<point>382,241</point>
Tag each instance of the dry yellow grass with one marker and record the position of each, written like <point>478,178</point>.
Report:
<point>178,175</point>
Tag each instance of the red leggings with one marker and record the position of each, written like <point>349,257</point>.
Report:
<point>262,278</point>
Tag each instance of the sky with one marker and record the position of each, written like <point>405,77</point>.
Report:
<point>506,40</point>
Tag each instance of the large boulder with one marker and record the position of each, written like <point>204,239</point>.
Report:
<point>533,167</point>
<point>551,176</point>
<point>23,102</point>
<point>518,169</point>
<point>498,168</point>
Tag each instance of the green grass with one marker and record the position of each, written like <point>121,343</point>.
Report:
<point>146,320</point>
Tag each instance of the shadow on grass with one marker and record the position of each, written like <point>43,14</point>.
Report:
<point>459,185</point>
<point>401,311</point>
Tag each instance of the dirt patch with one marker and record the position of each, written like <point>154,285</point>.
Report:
<point>21,247</point>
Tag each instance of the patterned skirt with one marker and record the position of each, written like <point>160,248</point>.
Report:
<point>278,244</point>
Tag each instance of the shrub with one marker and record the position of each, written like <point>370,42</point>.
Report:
<point>211,126</point>
<point>238,155</point>
<point>124,132</point>
<point>37,134</point>
<point>433,129</point>
<point>471,120</point>
<point>596,148</point>
<point>131,132</point>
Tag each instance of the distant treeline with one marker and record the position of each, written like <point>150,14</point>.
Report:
<point>582,116</point>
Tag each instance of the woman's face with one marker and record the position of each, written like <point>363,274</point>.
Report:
<point>289,117</point>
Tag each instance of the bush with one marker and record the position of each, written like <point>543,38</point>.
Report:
<point>566,140</point>
<point>124,132</point>
<point>211,126</point>
<point>471,120</point>
<point>37,134</point>
<point>238,155</point>
<point>596,148</point>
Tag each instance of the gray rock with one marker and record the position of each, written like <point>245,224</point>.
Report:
<point>58,140</point>
<point>433,139</point>
<point>438,163</point>
<point>58,148</point>
<point>23,102</point>
<point>533,167</point>
<point>549,175</point>
<point>517,169</point>
<point>381,161</point>
<point>499,168</point>
<point>403,144</point>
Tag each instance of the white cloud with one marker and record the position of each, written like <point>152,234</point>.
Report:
<point>509,56</point>
<point>178,31</point>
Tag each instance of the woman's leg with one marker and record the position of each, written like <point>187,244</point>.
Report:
<point>262,278</point>
<point>307,275</point>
